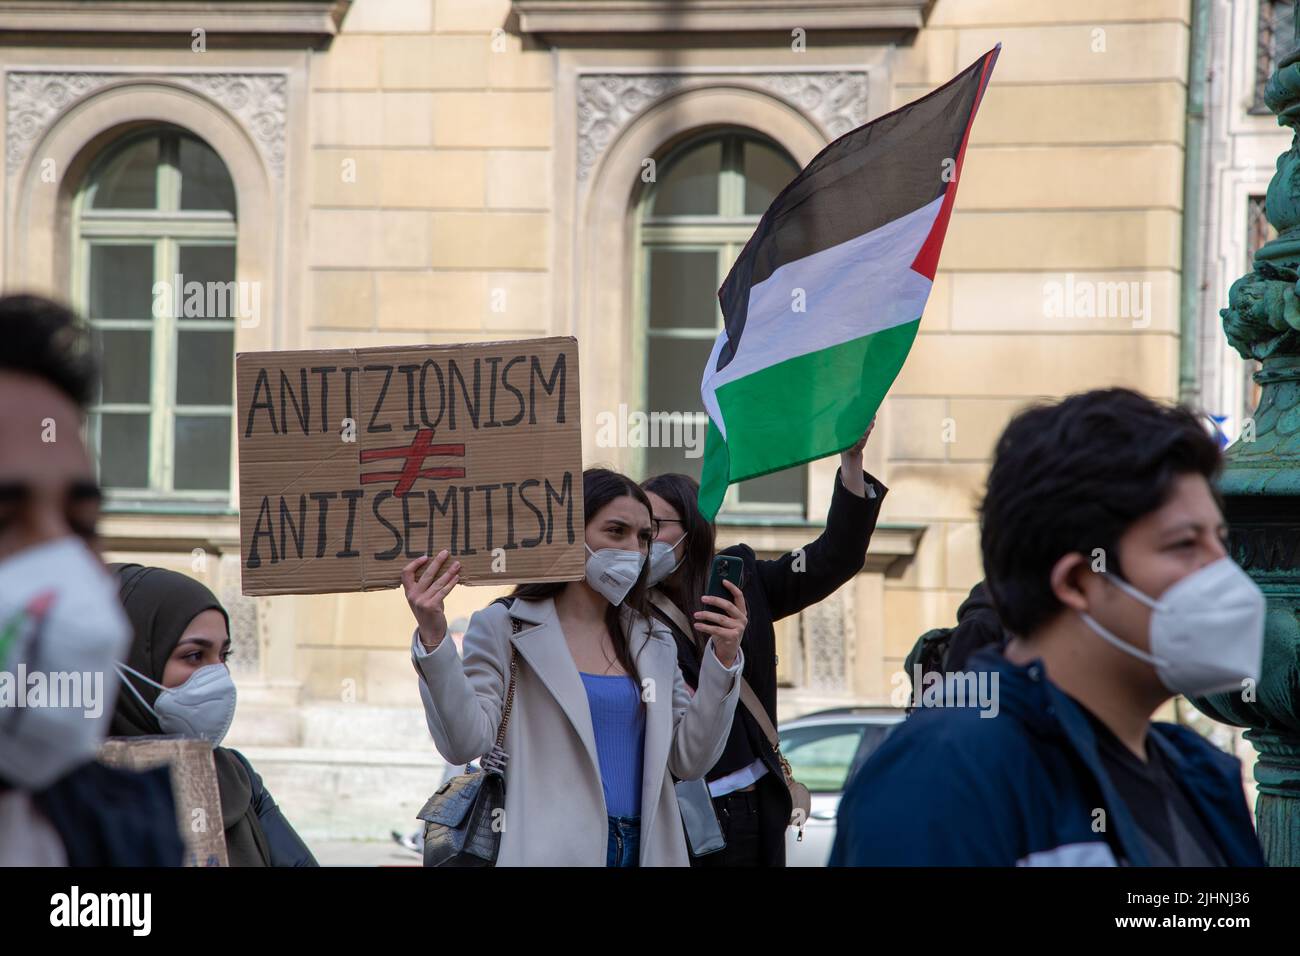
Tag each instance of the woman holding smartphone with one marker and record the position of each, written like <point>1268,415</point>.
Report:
<point>748,787</point>
<point>602,719</point>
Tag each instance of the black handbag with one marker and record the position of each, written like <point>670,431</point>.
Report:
<point>464,818</point>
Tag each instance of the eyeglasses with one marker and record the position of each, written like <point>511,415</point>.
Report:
<point>657,524</point>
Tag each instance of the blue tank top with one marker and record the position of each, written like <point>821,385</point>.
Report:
<point>618,719</point>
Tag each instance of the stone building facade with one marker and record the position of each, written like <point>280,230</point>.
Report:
<point>405,171</point>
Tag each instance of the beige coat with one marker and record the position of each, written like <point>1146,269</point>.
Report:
<point>555,806</point>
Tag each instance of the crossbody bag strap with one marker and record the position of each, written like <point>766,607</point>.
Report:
<point>747,695</point>
<point>516,626</point>
<point>756,709</point>
<point>755,706</point>
<point>496,757</point>
<point>798,792</point>
<point>672,612</point>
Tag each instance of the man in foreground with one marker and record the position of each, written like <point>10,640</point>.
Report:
<point>61,626</point>
<point>1104,554</point>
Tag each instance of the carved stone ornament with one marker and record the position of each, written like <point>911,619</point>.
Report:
<point>828,632</point>
<point>835,100</point>
<point>35,99</point>
<point>246,624</point>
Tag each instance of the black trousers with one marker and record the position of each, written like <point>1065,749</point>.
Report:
<point>753,823</point>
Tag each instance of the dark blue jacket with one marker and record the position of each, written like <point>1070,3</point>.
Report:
<point>952,788</point>
<point>108,816</point>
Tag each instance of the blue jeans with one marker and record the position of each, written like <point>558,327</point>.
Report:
<point>624,841</point>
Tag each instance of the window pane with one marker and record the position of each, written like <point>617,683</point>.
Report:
<point>203,367</point>
<point>202,453</point>
<point>214,267</point>
<point>124,451</point>
<point>1274,39</point>
<point>1258,229</point>
<point>674,370</point>
<point>689,187</point>
<point>130,180</point>
<point>780,487</point>
<point>1283,33</point>
<point>125,357</point>
<point>205,184</point>
<point>820,757</point>
<point>767,172</point>
<point>683,448</point>
<point>873,735</point>
<point>121,282</point>
<point>208,263</point>
<point>683,289</point>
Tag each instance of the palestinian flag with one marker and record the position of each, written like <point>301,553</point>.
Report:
<point>822,305</point>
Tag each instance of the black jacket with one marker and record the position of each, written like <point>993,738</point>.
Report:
<point>279,843</point>
<point>107,816</point>
<point>773,590</point>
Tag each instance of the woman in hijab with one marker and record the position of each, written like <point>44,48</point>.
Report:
<point>177,682</point>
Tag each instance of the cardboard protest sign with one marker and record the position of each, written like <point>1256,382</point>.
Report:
<point>352,462</point>
<point>194,788</point>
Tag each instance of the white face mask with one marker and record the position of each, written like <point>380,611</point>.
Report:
<point>1207,630</point>
<point>612,572</point>
<point>59,618</point>
<point>662,562</point>
<point>202,707</point>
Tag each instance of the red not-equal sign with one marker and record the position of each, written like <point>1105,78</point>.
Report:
<point>421,447</point>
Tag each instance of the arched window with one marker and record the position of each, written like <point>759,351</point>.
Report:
<point>707,199</point>
<point>154,273</point>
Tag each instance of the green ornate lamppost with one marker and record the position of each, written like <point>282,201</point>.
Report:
<point>1261,488</point>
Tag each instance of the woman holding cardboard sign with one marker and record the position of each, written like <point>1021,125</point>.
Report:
<point>600,719</point>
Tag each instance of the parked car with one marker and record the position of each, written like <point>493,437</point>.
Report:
<point>824,749</point>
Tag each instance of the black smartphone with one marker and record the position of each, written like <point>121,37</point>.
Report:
<point>725,568</point>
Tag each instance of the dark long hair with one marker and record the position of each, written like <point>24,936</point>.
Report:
<point>600,486</point>
<point>685,586</point>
